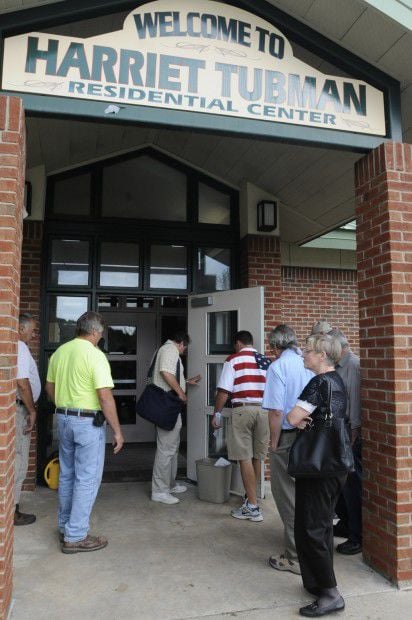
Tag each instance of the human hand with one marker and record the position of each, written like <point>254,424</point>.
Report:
<point>30,423</point>
<point>273,443</point>
<point>304,423</point>
<point>193,380</point>
<point>183,397</point>
<point>118,441</point>
<point>216,420</point>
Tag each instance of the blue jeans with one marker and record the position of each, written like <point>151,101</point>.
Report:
<point>81,456</point>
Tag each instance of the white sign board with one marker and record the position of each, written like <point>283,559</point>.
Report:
<point>202,56</point>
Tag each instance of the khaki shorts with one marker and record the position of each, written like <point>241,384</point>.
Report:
<point>248,434</point>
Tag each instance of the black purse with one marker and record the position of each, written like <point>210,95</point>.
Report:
<point>158,406</point>
<point>323,449</point>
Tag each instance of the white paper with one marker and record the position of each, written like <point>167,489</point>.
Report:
<point>222,462</point>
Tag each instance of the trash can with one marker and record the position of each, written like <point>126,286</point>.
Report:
<point>213,483</point>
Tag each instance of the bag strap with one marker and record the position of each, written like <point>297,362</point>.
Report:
<point>329,414</point>
<point>152,365</point>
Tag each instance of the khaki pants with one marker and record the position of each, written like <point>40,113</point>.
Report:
<point>283,491</point>
<point>165,464</point>
<point>22,451</point>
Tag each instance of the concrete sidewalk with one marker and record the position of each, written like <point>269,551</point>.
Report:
<point>187,561</point>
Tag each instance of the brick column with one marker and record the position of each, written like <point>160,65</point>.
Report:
<point>12,164</point>
<point>30,295</point>
<point>260,266</point>
<point>384,237</point>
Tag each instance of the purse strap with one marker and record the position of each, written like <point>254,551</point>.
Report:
<point>329,414</point>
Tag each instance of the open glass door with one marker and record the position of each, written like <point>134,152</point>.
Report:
<point>213,320</point>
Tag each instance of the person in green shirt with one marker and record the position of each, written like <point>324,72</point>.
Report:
<point>79,382</point>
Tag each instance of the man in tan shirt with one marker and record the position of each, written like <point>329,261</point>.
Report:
<point>167,369</point>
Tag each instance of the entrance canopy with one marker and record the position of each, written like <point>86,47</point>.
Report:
<point>290,158</point>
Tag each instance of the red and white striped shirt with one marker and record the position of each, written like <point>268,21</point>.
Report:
<point>243,376</point>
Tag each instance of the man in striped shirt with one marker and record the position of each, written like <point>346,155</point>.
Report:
<point>243,377</point>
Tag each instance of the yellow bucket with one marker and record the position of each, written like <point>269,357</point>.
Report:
<point>51,473</point>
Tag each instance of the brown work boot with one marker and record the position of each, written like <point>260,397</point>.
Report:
<point>90,543</point>
<point>20,518</point>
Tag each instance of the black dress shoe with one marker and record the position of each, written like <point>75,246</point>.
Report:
<point>315,611</point>
<point>349,548</point>
<point>21,518</point>
<point>340,530</point>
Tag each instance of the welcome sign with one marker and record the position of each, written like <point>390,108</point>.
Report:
<point>202,56</point>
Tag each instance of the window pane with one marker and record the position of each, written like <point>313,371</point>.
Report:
<point>108,301</point>
<point>214,206</point>
<point>123,374</point>
<point>126,409</point>
<point>119,265</point>
<point>72,195</point>
<point>171,324</point>
<point>63,314</point>
<point>213,269</point>
<point>168,267</point>
<point>222,327</point>
<point>69,262</point>
<point>144,188</point>
<point>121,339</point>
<point>213,375</point>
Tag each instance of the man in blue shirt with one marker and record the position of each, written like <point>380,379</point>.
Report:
<point>285,380</point>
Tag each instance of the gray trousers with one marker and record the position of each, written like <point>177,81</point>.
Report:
<point>283,491</point>
<point>165,463</point>
<point>21,462</point>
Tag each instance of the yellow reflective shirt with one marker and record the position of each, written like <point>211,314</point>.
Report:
<point>77,370</point>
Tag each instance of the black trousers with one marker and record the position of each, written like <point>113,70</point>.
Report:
<point>349,506</point>
<point>315,501</point>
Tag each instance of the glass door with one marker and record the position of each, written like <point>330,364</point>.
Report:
<point>129,342</point>
<point>213,320</point>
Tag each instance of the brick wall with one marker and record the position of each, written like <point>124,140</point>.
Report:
<point>30,297</point>
<point>260,266</point>
<point>310,294</point>
<point>12,162</point>
<point>384,239</point>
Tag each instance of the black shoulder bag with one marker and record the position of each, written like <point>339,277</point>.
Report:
<point>323,449</point>
<point>158,406</point>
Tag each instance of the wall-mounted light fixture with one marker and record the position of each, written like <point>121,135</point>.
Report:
<point>267,216</point>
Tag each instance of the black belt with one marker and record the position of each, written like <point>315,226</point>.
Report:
<point>80,413</point>
<point>19,401</point>
<point>289,430</point>
<point>234,405</point>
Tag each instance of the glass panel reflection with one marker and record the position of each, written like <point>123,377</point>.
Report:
<point>126,409</point>
<point>217,440</point>
<point>214,206</point>
<point>168,267</point>
<point>119,265</point>
<point>222,327</point>
<point>69,262</point>
<point>144,188</point>
<point>63,314</point>
<point>213,269</point>
<point>121,339</point>
<point>123,374</point>
<point>213,375</point>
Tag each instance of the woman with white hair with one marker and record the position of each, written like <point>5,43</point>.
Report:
<point>316,497</point>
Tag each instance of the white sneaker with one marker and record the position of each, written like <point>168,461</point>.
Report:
<point>164,498</point>
<point>179,488</point>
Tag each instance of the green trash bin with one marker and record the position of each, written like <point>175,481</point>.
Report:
<point>213,483</point>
